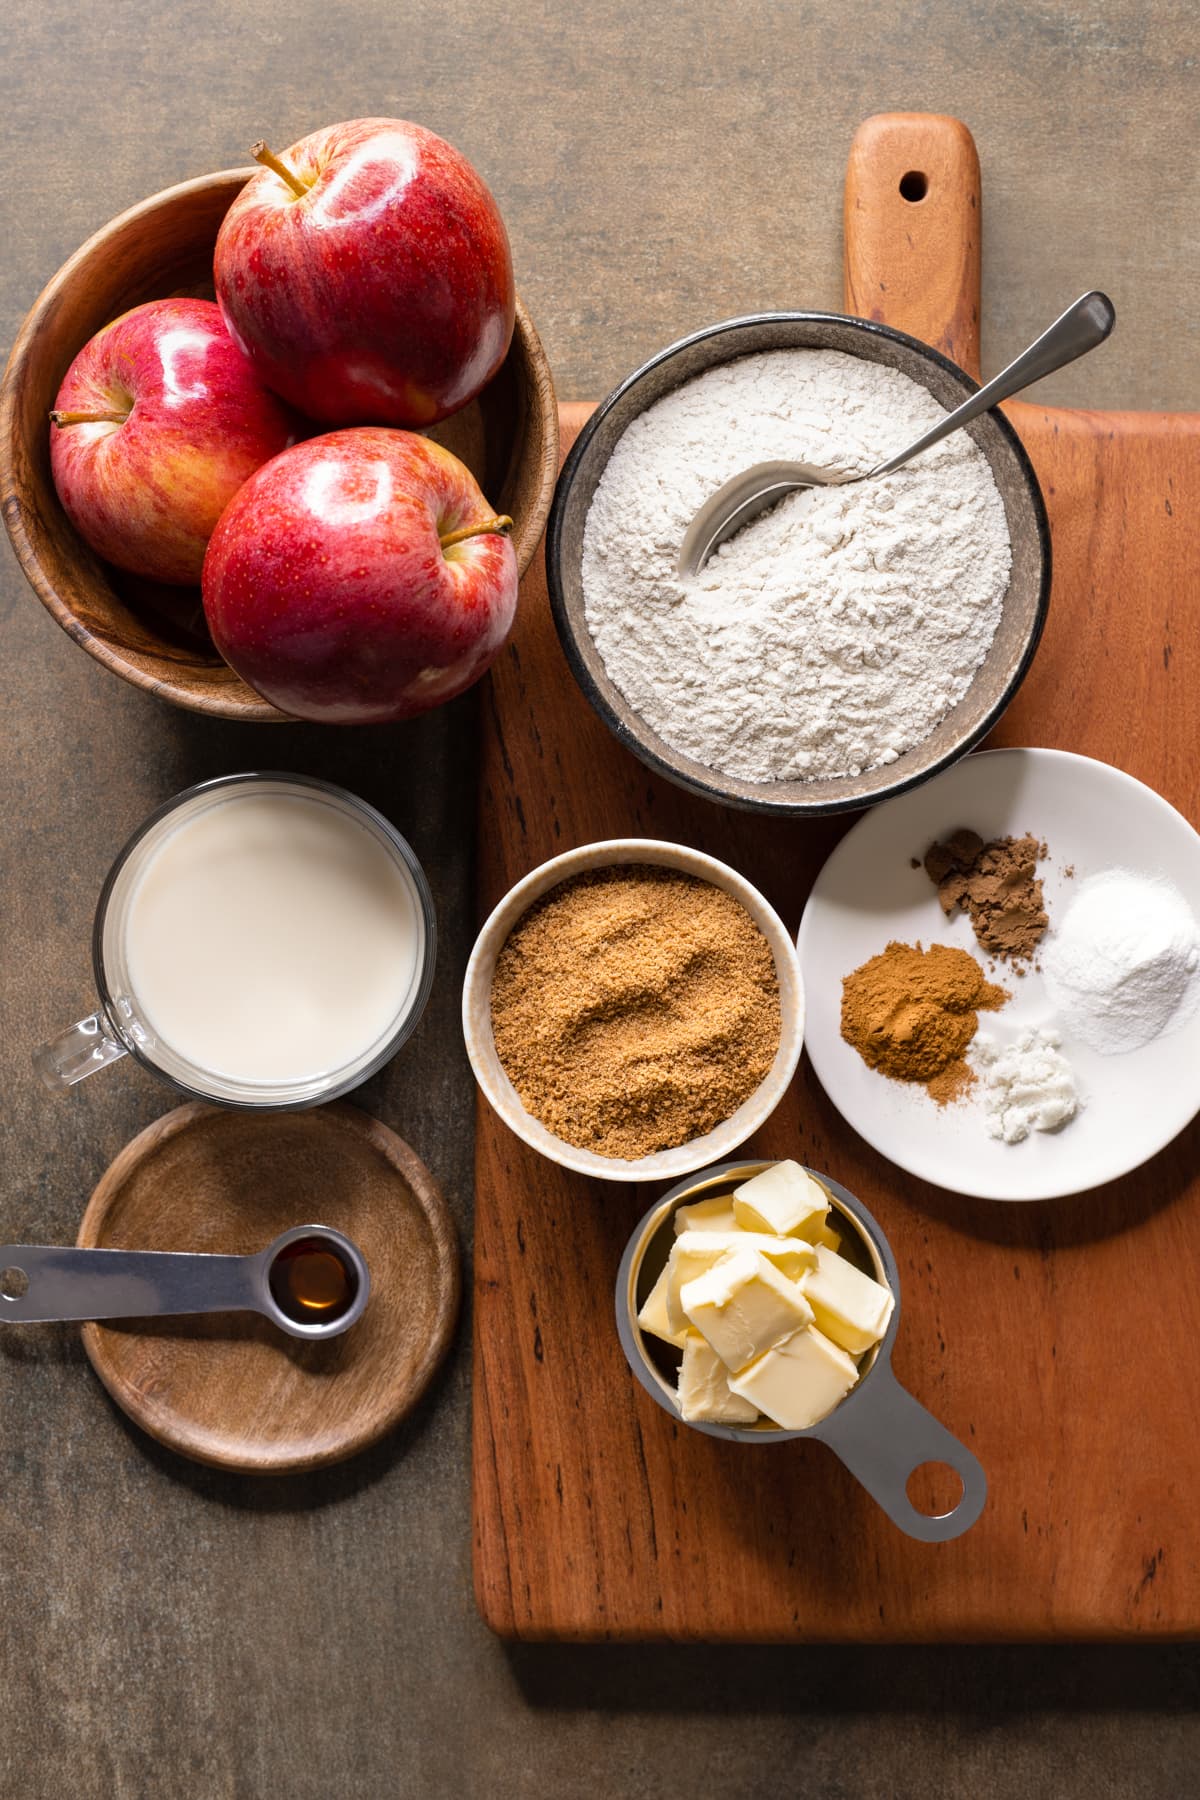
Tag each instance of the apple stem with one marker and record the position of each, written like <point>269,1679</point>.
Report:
<point>276,164</point>
<point>88,418</point>
<point>499,527</point>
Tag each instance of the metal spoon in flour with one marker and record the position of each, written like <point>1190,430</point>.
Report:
<point>1080,329</point>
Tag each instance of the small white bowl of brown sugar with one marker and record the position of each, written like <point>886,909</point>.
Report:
<point>634,1009</point>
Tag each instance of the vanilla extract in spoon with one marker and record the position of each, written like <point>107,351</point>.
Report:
<point>311,1282</point>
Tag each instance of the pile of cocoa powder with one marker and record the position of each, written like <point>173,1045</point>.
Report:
<point>996,884</point>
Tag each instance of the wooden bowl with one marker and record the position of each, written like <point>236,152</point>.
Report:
<point>153,635</point>
<point>228,1388</point>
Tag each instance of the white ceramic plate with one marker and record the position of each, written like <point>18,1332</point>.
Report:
<point>1091,817</point>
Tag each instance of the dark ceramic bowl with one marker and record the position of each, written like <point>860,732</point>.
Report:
<point>1025,604</point>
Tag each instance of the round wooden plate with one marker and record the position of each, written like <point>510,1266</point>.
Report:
<point>230,1389</point>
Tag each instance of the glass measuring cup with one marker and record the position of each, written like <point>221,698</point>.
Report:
<point>121,1024</point>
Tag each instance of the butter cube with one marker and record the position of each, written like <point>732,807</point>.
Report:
<point>784,1199</point>
<point>706,1215</point>
<point>704,1395</point>
<point>850,1307</point>
<point>695,1251</point>
<point>653,1316</point>
<point>825,1234</point>
<point>798,1381</point>
<point>790,1255</point>
<point>743,1306</point>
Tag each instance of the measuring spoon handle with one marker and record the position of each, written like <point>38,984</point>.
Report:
<point>1083,326</point>
<point>42,1282</point>
<point>883,1434</point>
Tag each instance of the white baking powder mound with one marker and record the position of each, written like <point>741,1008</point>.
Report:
<point>832,634</point>
<point>1123,965</point>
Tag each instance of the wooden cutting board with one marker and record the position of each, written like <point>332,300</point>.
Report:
<point>1059,1340</point>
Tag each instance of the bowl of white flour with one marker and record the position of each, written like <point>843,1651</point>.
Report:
<point>844,646</point>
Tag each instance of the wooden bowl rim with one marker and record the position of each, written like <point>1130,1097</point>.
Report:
<point>161,1422</point>
<point>235,699</point>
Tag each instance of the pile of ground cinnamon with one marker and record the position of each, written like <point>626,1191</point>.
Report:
<point>997,886</point>
<point>910,1013</point>
<point>635,1008</point>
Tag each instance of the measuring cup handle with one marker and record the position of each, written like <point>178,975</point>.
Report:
<point>882,1434</point>
<point>78,1052</point>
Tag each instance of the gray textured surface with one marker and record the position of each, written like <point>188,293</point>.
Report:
<point>166,1631</point>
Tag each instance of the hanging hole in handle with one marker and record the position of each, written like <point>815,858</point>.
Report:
<point>914,186</point>
<point>14,1284</point>
<point>935,1490</point>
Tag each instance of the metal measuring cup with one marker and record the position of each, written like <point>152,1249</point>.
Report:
<point>879,1431</point>
<point>50,1283</point>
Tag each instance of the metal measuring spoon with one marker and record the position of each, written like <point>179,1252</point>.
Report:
<point>1083,326</point>
<point>45,1283</point>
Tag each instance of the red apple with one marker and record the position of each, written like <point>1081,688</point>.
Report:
<point>360,577</point>
<point>366,273</point>
<point>157,424</point>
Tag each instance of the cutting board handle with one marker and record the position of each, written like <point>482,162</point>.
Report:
<point>912,230</point>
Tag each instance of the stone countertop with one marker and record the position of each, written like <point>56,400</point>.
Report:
<point>167,1630</point>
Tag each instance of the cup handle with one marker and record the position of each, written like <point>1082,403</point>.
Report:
<point>78,1052</point>
<point>882,1434</point>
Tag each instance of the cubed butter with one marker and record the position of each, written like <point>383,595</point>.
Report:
<point>784,1199</point>
<point>797,1382</point>
<point>695,1251</point>
<point>704,1396</point>
<point>743,1306</point>
<point>706,1215</point>
<point>850,1307</point>
<point>653,1316</point>
<point>825,1234</point>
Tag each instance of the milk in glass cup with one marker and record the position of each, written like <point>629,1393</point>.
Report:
<point>263,940</point>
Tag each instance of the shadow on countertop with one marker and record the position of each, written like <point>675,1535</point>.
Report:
<point>993,1682</point>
